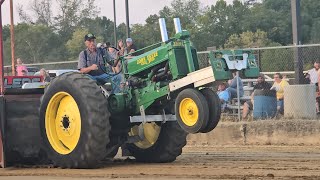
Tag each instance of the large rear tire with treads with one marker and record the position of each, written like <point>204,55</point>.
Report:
<point>74,122</point>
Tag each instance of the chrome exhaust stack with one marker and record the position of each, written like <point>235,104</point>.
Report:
<point>163,30</point>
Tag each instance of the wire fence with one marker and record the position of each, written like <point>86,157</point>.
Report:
<point>269,59</point>
<point>277,59</point>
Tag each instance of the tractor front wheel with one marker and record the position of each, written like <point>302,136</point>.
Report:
<point>192,111</point>
<point>74,122</point>
<point>214,109</point>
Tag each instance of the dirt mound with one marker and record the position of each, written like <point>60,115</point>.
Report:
<point>267,132</point>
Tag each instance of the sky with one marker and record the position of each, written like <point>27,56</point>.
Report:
<point>139,9</point>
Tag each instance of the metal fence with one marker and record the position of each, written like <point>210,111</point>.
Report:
<point>277,59</point>
<point>269,59</point>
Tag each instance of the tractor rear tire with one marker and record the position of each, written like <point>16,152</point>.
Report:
<point>80,140</point>
<point>214,105</point>
<point>192,110</point>
<point>167,148</point>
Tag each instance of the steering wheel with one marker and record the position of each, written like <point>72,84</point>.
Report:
<point>111,63</point>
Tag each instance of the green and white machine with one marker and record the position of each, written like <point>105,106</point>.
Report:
<point>166,96</point>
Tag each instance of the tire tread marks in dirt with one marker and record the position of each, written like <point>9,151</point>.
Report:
<point>95,125</point>
<point>167,148</point>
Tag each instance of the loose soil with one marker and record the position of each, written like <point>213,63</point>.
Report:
<point>222,162</point>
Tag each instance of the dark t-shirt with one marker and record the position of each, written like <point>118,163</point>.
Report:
<point>130,48</point>
<point>264,85</point>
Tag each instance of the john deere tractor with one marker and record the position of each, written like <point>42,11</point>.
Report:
<point>164,97</point>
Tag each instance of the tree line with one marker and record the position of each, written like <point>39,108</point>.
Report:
<point>42,36</point>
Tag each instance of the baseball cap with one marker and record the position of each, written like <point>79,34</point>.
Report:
<point>89,36</point>
<point>128,40</point>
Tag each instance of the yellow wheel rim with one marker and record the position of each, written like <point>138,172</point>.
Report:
<point>63,123</point>
<point>151,133</point>
<point>188,111</point>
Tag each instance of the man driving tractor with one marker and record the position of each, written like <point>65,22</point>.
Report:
<point>91,62</point>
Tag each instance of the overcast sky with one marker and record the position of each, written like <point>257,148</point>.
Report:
<point>139,9</point>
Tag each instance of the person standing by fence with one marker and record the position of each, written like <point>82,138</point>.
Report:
<point>313,73</point>
<point>279,85</point>
<point>20,68</point>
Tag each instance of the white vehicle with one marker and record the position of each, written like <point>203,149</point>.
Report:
<point>52,74</point>
<point>55,73</point>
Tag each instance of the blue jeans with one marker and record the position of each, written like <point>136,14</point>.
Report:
<point>233,92</point>
<point>115,80</point>
<point>280,106</point>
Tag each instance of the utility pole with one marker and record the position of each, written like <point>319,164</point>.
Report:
<point>12,38</point>
<point>115,23</point>
<point>127,18</point>
<point>296,33</point>
<point>1,54</point>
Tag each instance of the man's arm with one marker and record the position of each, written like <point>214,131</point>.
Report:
<point>88,69</point>
<point>82,64</point>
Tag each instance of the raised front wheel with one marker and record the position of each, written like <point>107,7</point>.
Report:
<point>192,110</point>
<point>214,109</point>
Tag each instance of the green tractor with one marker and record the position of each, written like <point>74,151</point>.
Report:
<point>165,97</point>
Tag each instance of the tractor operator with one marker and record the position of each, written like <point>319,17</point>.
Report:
<point>91,62</point>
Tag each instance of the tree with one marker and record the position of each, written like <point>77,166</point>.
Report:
<point>310,17</point>
<point>41,11</point>
<point>71,12</point>
<point>277,60</point>
<point>100,26</point>
<point>148,34</point>
<point>314,32</point>
<point>273,17</point>
<point>76,44</point>
<point>248,40</point>
<point>35,43</point>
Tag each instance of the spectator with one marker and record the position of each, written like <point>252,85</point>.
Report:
<point>113,53</point>
<point>121,47</point>
<point>223,94</point>
<point>131,48</point>
<point>20,68</point>
<point>45,75</point>
<point>91,62</point>
<point>233,86</point>
<point>279,85</point>
<point>261,84</point>
<point>313,73</point>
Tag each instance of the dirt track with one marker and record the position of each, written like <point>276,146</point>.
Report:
<point>241,162</point>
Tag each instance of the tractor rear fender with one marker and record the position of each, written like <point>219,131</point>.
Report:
<point>20,140</point>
